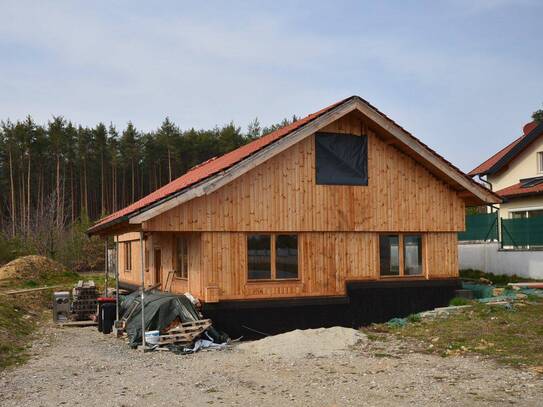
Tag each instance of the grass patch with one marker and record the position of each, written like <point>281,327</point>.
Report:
<point>499,280</point>
<point>18,320</point>
<point>456,301</point>
<point>21,314</point>
<point>511,336</point>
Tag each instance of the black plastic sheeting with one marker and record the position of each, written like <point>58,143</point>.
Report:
<point>341,159</point>
<point>160,310</point>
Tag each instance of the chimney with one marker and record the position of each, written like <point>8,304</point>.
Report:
<point>528,127</point>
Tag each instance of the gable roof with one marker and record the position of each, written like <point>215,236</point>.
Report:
<point>532,131</point>
<point>216,172</point>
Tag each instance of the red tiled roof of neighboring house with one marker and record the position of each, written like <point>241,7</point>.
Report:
<point>488,165</point>
<point>211,167</point>
<point>518,190</point>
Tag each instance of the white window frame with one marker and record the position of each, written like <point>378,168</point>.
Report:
<point>539,156</point>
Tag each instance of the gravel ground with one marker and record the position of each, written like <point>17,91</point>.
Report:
<point>79,366</point>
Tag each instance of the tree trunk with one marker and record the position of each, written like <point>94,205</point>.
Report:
<point>28,192</point>
<point>169,166</point>
<point>57,205</point>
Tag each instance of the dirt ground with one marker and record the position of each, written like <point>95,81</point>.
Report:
<point>79,366</point>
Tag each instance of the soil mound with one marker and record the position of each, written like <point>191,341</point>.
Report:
<point>301,343</point>
<point>30,268</point>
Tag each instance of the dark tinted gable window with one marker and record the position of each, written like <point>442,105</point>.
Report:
<point>341,159</point>
<point>259,257</point>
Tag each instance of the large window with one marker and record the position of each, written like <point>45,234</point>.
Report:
<point>272,257</point>
<point>390,255</point>
<point>128,256</point>
<point>341,159</point>
<point>400,255</point>
<point>540,162</point>
<point>181,257</point>
<point>286,256</point>
<point>412,257</point>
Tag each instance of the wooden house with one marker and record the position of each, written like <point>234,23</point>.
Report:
<point>342,217</point>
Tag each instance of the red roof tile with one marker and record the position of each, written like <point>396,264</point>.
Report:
<point>210,167</point>
<point>518,190</point>
<point>488,164</point>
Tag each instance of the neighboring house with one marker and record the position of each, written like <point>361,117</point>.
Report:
<point>516,174</point>
<point>342,217</point>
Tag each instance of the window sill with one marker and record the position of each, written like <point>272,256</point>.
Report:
<point>180,278</point>
<point>276,280</point>
<point>397,276</point>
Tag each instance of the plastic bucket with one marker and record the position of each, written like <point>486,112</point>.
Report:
<point>152,337</point>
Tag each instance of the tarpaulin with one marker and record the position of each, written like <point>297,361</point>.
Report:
<point>161,309</point>
<point>341,159</point>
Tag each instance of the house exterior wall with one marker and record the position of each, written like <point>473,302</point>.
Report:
<point>132,276</point>
<point>282,194</point>
<point>338,227</point>
<point>523,166</point>
<point>522,203</point>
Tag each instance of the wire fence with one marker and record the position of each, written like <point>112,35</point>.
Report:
<point>480,227</point>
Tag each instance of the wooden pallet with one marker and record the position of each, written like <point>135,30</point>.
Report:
<point>192,326</point>
<point>185,333</point>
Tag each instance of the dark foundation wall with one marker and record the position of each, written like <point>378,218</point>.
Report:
<point>366,302</point>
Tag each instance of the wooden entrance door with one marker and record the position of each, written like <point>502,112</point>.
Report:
<point>158,266</point>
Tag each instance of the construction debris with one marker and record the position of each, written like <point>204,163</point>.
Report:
<point>84,302</point>
<point>170,321</point>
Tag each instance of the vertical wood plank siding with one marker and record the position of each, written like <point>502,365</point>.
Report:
<point>338,226</point>
<point>281,194</point>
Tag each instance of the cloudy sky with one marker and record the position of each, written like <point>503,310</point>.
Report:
<point>462,75</point>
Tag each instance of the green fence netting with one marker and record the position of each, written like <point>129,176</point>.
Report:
<point>522,231</point>
<point>483,226</point>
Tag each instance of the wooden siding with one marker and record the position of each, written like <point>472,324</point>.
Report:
<point>326,261</point>
<point>281,194</point>
<point>132,276</point>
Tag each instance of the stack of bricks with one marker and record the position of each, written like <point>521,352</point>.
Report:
<point>84,302</point>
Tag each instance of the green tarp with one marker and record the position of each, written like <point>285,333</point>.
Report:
<point>482,226</point>
<point>160,310</point>
<point>522,231</point>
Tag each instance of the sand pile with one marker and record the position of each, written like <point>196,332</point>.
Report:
<point>301,343</point>
<point>30,268</point>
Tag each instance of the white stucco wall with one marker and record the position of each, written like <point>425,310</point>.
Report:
<point>488,258</point>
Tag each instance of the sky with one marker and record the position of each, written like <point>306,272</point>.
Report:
<point>461,75</point>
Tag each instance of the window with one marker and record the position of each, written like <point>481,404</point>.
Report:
<point>341,159</point>
<point>182,257</point>
<point>272,257</point>
<point>128,256</point>
<point>540,162</point>
<point>400,255</point>
<point>390,255</point>
<point>259,257</point>
<point>286,256</point>
<point>412,249</point>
